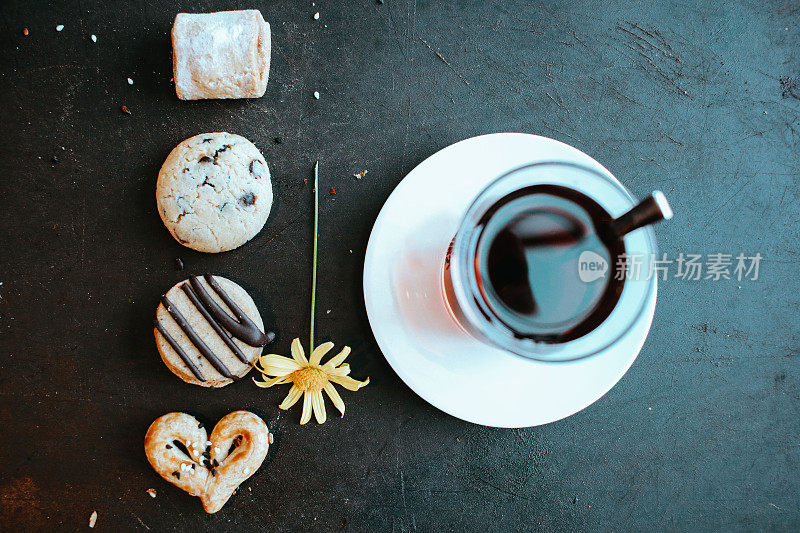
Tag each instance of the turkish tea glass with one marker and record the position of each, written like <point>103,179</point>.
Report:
<point>606,293</point>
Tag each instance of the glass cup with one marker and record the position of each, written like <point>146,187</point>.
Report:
<point>475,306</point>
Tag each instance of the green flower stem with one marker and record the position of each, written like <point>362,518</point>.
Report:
<point>314,271</point>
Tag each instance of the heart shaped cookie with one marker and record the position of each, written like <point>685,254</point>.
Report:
<point>209,467</point>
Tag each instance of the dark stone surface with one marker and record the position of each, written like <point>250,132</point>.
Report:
<point>701,99</point>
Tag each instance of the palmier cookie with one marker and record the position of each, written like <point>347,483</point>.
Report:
<point>208,331</point>
<point>209,467</point>
<point>214,192</point>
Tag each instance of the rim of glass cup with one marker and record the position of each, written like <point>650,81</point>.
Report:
<point>614,198</point>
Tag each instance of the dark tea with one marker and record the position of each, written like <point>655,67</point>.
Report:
<point>528,258</point>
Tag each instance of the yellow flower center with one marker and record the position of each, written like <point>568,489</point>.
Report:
<point>309,378</point>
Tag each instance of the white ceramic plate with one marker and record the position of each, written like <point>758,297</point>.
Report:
<point>402,290</point>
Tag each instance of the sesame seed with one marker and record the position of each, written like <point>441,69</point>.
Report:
<point>130,81</point>
<point>59,27</point>
<point>93,519</point>
<point>316,95</point>
<point>216,449</point>
<point>94,40</point>
<point>316,15</point>
<point>270,438</point>
<point>151,492</point>
<point>196,453</point>
<point>208,443</point>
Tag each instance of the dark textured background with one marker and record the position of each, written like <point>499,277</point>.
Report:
<point>700,100</point>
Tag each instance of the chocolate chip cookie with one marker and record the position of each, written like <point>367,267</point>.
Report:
<point>214,192</point>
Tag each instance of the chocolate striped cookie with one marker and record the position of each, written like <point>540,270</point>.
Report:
<point>208,331</point>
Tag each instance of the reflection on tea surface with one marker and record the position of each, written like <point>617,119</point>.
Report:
<point>528,261</point>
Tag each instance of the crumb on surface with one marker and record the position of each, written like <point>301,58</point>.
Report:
<point>94,38</point>
<point>93,519</point>
<point>316,95</point>
<point>151,492</point>
<point>59,27</point>
<point>361,174</point>
<point>316,15</point>
<point>125,110</point>
<point>25,31</point>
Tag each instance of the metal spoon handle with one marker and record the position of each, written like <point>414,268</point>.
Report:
<point>650,210</point>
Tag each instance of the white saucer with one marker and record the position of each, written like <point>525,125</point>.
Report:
<point>402,290</point>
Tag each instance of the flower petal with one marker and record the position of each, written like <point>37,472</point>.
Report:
<point>319,406</point>
<point>337,359</point>
<point>338,371</point>
<point>319,351</point>
<point>297,352</point>
<point>349,383</point>
<point>335,398</point>
<point>291,398</point>
<point>276,365</point>
<point>280,380</point>
<point>306,416</point>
